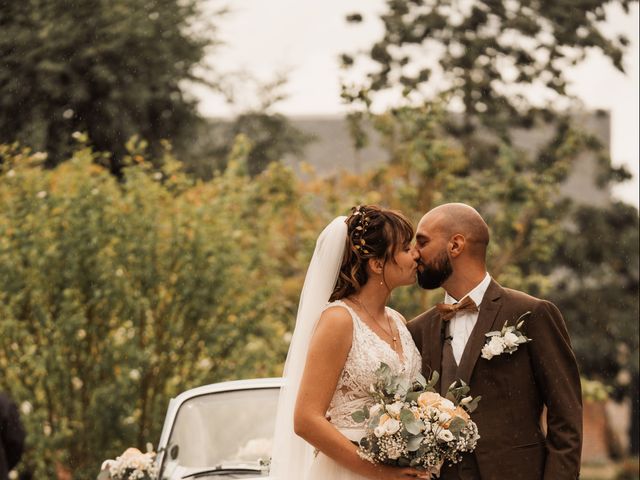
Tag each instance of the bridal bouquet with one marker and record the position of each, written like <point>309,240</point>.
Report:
<point>409,424</point>
<point>131,465</point>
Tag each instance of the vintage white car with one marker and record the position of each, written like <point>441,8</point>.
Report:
<point>223,430</point>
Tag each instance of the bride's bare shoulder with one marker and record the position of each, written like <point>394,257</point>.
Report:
<point>336,316</point>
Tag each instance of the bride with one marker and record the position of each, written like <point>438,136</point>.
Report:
<point>337,347</point>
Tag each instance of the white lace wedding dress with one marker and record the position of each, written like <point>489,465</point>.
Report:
<point>368,350</point>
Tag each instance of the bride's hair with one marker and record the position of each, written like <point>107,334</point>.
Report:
<point>372,232</point>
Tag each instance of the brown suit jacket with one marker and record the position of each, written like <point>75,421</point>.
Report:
<point>515,388</point>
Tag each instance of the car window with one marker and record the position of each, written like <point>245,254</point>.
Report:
<point>224,428</point>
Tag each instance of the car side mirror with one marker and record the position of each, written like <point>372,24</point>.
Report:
<point>174,451</point>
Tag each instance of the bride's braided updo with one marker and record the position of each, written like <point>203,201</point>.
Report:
<point>372,232</point>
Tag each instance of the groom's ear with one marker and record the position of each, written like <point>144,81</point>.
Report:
<point>456,245</point>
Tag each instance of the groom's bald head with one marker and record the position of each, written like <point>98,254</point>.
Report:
<point>458,218</point>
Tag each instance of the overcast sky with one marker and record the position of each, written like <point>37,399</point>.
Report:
<point>303,39</point>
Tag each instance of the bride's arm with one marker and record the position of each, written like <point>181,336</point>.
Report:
<point>326,357</point>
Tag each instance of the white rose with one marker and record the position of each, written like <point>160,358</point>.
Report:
<point>445,435</point>
<point>447,404</point>
<point>444,417</point>
<point>392,426</point>
<point>373,411</point>
<point>486,353</point>
<point>496,345</point>
<point>394,409</point>
<point>510,340</point>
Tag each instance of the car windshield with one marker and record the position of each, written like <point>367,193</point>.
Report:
<point>221,429</point>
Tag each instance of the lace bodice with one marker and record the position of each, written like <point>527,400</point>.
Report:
<point>368,350</point>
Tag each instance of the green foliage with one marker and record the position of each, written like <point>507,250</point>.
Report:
<point>111,69</point>
<point>518,196</point>
<point>116,296</point>
<point>483,55</point>
<point>598,290</point>
<point>594,391</point>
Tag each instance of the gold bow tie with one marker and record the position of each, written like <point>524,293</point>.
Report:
<point>448,311</point>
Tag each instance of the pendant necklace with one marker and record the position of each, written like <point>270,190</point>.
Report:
<point>391,335</point>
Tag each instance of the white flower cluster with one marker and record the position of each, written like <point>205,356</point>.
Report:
<point>132,465</point>
<point>506,340</point>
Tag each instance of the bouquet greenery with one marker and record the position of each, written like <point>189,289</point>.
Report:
<point>410,424</point>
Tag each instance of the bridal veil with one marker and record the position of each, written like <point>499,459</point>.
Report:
<point>291,455</point>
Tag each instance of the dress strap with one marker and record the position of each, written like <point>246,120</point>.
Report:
<point>396,316</point>
<point>354,316</point>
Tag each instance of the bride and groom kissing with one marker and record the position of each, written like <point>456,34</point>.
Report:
<point>344,331</point>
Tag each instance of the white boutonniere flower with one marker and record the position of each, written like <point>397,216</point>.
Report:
<point>506,340</point>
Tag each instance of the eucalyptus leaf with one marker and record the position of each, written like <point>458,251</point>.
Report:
<point>456,425</point>
<point>409,421</point>
<point>435,376</point>
<point>413,396</point>
<point>358,416</point>
<point>473,404</point>
<point>414,442</point>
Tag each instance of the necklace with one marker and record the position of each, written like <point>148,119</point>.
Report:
<point>389,333</point>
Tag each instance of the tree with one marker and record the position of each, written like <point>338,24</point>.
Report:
<point>485,61</point>
<point>598,293</point>
<point>110,69</point>
<point>484,56</point>
<point>116,296</point>
<point>519,197</point>
<point>271,135</point>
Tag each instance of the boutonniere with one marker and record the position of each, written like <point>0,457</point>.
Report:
<point>506,340</point>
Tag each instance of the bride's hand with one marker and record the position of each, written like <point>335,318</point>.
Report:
<point>399,473</point>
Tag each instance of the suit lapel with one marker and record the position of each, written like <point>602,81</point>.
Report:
<point>435,337</point>
<point>489,308</point>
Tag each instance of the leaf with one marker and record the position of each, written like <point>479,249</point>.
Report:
<point>413,396</point>
<point>435,376</point>
<point>414,442</point>
<point>456,425</point>
<point>409,421</point>
<point>384,373</point>
<point>473,404</point>
<point>359,416</point>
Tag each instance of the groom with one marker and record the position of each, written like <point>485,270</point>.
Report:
<point>452,240</point>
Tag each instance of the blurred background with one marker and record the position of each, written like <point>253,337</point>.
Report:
<point>166,165</point>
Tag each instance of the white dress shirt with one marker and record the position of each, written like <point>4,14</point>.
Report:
<point>462,323</point>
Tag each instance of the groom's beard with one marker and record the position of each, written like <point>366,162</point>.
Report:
<point>435,273</point>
